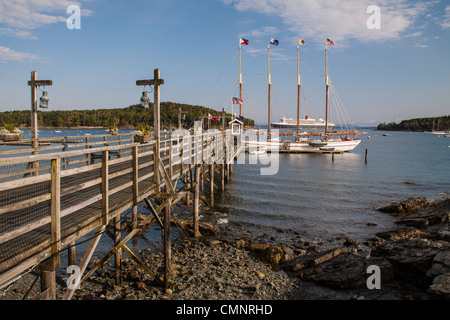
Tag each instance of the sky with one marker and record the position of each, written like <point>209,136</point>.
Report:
<point>386,65</point>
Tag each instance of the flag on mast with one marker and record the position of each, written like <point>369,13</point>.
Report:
<point>237,101</point>
<point>243,41</point>
<point>274,41</point>
<point>301,42</point>
<point>329,42</point>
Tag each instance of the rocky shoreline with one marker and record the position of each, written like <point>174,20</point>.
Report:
<point>413,261</point>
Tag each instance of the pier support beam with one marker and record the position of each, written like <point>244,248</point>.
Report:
<point>211,186</point>
<point>196,201</point>
<point>167,245</point>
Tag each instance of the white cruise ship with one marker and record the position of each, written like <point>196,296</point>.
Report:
<point>306,123</point>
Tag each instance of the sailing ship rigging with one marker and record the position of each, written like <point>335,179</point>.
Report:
<point>328,141</point>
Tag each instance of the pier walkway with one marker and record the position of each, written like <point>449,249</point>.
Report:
<point>52,196</point>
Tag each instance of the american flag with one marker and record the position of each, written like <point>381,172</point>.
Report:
<point>329,42</point>
<point>237,101</point>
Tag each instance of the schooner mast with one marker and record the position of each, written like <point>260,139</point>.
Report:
<point>269,82</point>
<point>327,84</point>
<point>299,86</point>
<point>241,41</point>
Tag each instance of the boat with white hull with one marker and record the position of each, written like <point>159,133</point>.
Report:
<point>339,145</point>
<point>315,142</point>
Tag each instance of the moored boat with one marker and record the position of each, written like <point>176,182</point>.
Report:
<point>326,141</point>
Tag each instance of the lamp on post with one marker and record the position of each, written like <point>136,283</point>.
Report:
<point>44,100</point>
<point>34,84</point>
<point>145,100</point>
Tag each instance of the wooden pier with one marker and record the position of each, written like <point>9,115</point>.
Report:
<point>50,200</point>
<point>52,196</point>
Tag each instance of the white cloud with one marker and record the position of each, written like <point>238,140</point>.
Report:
<point>445,24</point>
<point>341,20</point>
<point>8,54</point>
<point>21,16</point>
<point>262,32</point>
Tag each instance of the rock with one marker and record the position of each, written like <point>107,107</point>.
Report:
<point>259,274</point>
<point>351,243</point>
<point>411,258</point>
<point>440,264</point>
<point>240,243</point>
<point>414,222</point>
<point>440,288</point>
<point>141,286</point>
<point>438,218</point>
<point>311,260</point>
<point>350,271</point>
<point>274,255</point>
<point>168,291</point>
<point>287,250</point>
<point>130,296</point>
<point>404,233</point>
<point>408,206</point>
<point>258,247</point>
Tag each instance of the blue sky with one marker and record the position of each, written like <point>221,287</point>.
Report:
<point>399,71</point>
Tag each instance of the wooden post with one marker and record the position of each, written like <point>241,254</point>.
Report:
<point>34,122</point>
<point>170,159</point>
<point>105,187</point>
<point>88,155</point>
<point>224,120</point>
<point>365,159</point>
<point>135,185</point>
<point>34,83</point>
<point>211,190</point>
<point>156,82</point>
<point>156,123</point>
<point>48,278</point>
<point>167,245</point>
<point>64,149</point>
<point>119,138</point>
<point>72,256</point>
<point>118,254</point>
<point>196,200</point>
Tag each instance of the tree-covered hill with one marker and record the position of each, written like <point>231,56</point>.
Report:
<point>419,124</point>
<point>128,117</point>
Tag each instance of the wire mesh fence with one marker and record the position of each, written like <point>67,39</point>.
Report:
<point>30,184</point>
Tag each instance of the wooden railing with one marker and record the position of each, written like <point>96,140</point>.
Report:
<point>49,200</point>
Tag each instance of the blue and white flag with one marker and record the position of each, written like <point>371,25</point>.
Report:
<point>274,42</point>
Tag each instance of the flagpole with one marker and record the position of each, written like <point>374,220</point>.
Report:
<point>327,86</point>
<point>269,97</point>
<point>298,90</point>
<point>240,82</point>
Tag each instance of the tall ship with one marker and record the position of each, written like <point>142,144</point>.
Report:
<point>307,123</point>
<point>327,141</point>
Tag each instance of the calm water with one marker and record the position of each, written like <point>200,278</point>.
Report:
<point>323,199</point>
<point>318,198</point>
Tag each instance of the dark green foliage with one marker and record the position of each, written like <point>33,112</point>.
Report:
<point>128,117</point>
<point>418,125</point>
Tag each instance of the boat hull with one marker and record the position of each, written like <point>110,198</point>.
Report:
<point>332,146</point>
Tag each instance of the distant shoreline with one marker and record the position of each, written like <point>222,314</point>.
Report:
<point>418,125</point>
<point>80,128</point>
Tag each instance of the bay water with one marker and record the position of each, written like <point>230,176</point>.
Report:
<point>314,196</point>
